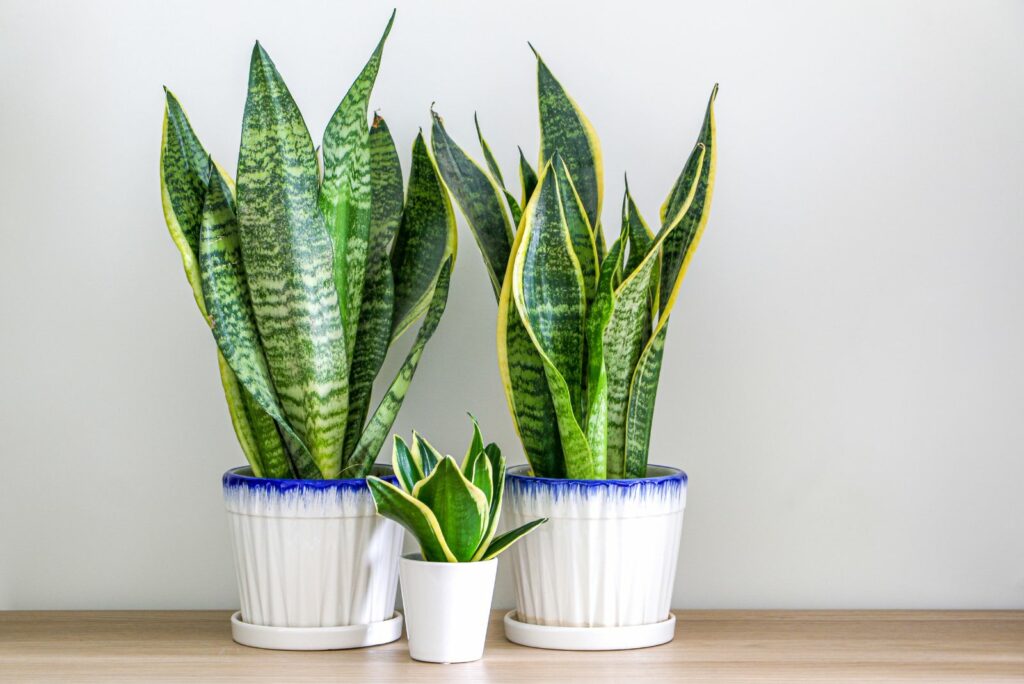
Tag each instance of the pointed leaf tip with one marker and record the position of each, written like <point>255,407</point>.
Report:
<point>535,53</point>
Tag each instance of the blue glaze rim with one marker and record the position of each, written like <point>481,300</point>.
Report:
<point>515,475</point>
<point>242,476</point>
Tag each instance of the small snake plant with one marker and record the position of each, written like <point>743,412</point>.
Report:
<point>581,326</point>
<point>452,512</point>
<point>307,274</point>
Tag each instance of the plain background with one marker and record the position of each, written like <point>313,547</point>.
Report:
<point>844,378</point>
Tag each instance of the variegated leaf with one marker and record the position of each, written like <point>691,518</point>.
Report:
<point>426,238</point>
<point>393,503</point>
<point>478,197</point>
<point>383,417</point>
<point>527,178</point>
<point>345,195</point>
<point>497,468</point>
<point>580,233</point>
<point>288,259</point>
<point>565,129</point>
<point>512,536</point>
<point>550,296</point>
<point>492,165</point>
<point>374,334</point>
<point>460,507</point>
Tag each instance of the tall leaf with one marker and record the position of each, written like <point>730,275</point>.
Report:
<point>426,238</point>
<point>580,233</point>
<point>694,217</point>
<point>289,265</point>
<point>184,176</point>
<point>565,129</point>
<point>492,166</point>
<point>383,417</point>
<point>497,467</point>
<point>345,195</point>
<point>234,325</point>
<point>550,296</point>
<point>374,334</point>
<point>479,198</point>
<point>527,178</point>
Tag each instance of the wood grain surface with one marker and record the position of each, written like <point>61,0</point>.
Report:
<point>710,646</point>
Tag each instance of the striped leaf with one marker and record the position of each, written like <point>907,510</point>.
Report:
<point>425,240</point>
<point>478,197</point>
<point>460,507</point>
<point>550,296</point>
<point>374,334</point>
<point>597,375</point>
<point>693,215</point>
<point>580,233</point>
<point>345,195</point>
<point>289,266</point>
<point>527,178</point>
<point>184,176</point>
<point>492,166</point>
<point>234,325</point>
<point>393,503</point>
<point>425,453</point>
<point>565,129</point>
<point>640,235</point>
<point>690,226</point>
<point>522,372</point>
<point>383,417</point>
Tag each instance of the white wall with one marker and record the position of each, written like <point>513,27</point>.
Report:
<point>844,379</point>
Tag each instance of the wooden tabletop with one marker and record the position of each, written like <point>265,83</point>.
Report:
<point>710,646</point>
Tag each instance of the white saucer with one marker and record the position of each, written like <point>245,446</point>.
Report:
<point>315,638</point>
<point>588,638</point>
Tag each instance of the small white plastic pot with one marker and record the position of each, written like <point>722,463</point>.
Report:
<point>317,568</point>
<point>447,607</point>
<point>599,574</point>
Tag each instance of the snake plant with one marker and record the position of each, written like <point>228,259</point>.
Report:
<point>307,275</point>
<point>581,325</point>
<point>452,511</point>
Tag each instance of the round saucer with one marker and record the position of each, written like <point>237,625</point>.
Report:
<point>588,638</point>
<point>315,638</point>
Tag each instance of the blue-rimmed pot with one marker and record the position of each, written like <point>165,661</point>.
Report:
<point>312,555</point>
<point>605,561</point>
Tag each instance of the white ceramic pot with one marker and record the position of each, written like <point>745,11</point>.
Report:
<point>312,555</point>
<point>447,607</point>
<point>606,558</point>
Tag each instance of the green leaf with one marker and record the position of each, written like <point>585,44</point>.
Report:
<point>640,236</point>
<point>478,197</point>
<point>384,416</point>
<point>564,129</point>
<point>374,335</point>
<point>413,515</point>
<point>693,214</point>
<point>506,540</point>
<point>482,476</point>
<point>597,376</point>
<point>425,239</point>
<point>527,178</point>
<point>226,294</point>
<point>426,454</point>
<point>475,450</point>
<point>345,195</point>
<point>549,294</point>
<point>640,414</point>
<point>289,266</point>
<point>459,506</point>
<point>492,166</point>
<point>580,234</point>
<point>184,177</point>
<point>407,466</point>
<point>497,470</point>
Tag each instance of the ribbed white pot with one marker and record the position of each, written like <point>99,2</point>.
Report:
<point>311,553</point>
<point>607,555</point>
<point>447,607</point>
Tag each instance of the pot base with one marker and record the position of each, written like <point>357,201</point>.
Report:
<point>588,638</point>
<point>315,638</point>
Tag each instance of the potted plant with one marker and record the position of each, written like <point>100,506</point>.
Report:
<point>581,333</point>
<point>453,514</point>
<point>306,276</point>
